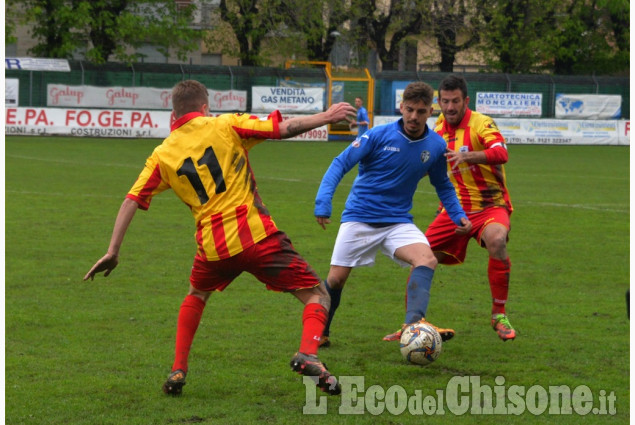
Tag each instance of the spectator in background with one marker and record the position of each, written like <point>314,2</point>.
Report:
<point>362,121</point>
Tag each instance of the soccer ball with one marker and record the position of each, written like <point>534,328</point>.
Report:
<point>420,344</point>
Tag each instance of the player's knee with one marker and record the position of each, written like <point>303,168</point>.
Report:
<point>431,262</point>
<point>427,260</point>
<point>497,245</point>
<point>336,282</point>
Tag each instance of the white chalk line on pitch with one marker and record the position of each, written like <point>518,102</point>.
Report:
<point>542,204</point>
<point>173,198</point>
<point>64,161</point>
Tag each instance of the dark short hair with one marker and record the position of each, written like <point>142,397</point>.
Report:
<point>418,91</point>
<point>454,82</point>
<point>188,96</point>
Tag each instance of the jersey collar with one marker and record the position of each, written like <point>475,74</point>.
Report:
<point>402,131</point>
<point>185,118</point>
<point>462,124</point>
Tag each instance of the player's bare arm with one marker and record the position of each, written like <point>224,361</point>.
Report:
<point>108,262</point>
<point>297,125</point>
<point>474,157</point>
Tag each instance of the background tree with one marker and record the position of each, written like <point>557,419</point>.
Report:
<point>516,33</point>
<point>53,24</point>
<point>593,37</point>
<point>318,23</point>
<point>456,28</point>
<point>386,25</point>
<point>251,21</point>
<point>108,29</point>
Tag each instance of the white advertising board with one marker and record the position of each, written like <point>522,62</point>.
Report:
<point>287,99</point>
<point>551,131</point>
<point>589,106</point>
<point>135,97</point>
<point>509,104</point>
<point>106,123</point>
<point>11,92</point>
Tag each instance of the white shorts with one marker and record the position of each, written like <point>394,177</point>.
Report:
<point>357,244</point>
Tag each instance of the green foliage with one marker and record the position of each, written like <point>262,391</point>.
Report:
<point>97,352</point>
<point>563,37</point>
<point>592,37</point>
<point>450,21</point>
<point>386,27</point>
<point>523,36</point>
<point>107,29</point>
<point>316,25</point>
<point>515,33</point>
<point>251,21</point>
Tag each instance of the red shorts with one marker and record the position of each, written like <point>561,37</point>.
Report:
<point>442,237</point>
<point>273,261</point>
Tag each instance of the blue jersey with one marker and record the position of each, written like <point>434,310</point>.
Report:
<point>362,115</point>
<point>390,168</point>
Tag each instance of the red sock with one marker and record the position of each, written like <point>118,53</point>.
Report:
<point>314,319</point>
<point>498,273</point>
<point>187,323</point>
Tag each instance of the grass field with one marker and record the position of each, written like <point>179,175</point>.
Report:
<point>97,352</point>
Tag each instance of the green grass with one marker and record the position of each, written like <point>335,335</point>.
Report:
<point>97,352</point>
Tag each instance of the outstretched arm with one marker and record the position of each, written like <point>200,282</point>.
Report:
<point>298,125</point>
<point>108,262</point>
<point>494,155</point>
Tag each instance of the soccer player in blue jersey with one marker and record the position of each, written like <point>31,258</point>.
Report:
<point>362,121</point>
<point>392,159</point>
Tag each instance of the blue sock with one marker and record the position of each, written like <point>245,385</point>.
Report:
<point>418,293</point>
<point>336,295</point>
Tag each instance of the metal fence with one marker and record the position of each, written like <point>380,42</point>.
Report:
<point>33,84</point>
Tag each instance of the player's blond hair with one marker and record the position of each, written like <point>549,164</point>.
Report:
<point>188,96</point>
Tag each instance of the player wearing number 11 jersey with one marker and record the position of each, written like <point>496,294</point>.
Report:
<point>213,179</point>
<point>205,162</point>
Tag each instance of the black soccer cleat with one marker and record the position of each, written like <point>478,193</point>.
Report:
<point>310,365</point>
<point>174,385</point>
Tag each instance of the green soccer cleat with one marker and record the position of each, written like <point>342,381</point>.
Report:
<point>504,329</point>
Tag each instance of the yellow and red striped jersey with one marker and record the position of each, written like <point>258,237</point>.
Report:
<point>478,186</point>
<point>205,161</point>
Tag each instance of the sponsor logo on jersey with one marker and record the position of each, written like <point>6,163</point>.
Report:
<point>464,149</point>
<point>358,141</point>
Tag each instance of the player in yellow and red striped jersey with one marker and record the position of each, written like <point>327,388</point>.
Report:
<point>476,154</point>
<point>205,162</point>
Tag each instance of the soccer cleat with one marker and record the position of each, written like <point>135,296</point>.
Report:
<point>504,329</point>
<point>174,385</point>
<point>446,334</point>
<point>325,342</point>
<point>310,365</point>
<point>395,336</point>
